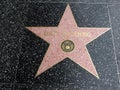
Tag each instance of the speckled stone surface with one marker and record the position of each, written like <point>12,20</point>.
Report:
<point>78,1</point>
<point>21,51</point>
<point>115,18</point>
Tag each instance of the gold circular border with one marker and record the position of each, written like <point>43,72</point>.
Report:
<point>65,49</point>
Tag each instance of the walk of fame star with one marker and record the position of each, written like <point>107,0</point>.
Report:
<point>65,43</point>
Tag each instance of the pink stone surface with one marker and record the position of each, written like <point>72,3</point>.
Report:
<point>55,54</point>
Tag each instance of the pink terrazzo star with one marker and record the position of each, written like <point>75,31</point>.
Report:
<point>67,30</point>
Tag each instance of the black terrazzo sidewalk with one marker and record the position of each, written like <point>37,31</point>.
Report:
<point>21,51</point>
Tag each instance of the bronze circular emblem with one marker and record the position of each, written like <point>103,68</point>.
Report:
<point>67,45</point>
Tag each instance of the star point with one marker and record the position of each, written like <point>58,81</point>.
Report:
<point>67,19</point>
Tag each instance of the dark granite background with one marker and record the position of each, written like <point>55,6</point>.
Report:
<point>21,51</point>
